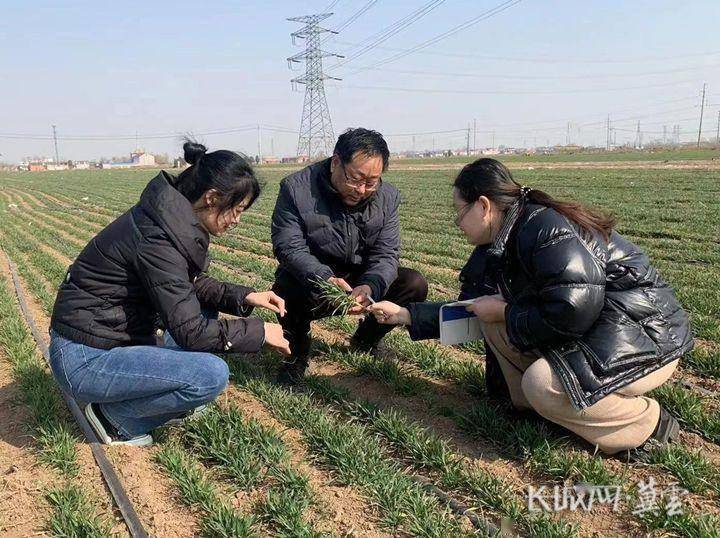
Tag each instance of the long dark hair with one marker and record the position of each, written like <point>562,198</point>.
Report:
<point>491,178</point>
<point>227,172</point>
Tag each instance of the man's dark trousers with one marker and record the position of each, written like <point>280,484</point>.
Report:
<point>410,286</point>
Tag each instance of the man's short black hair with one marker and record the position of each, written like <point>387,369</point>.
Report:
<point>365,141</point>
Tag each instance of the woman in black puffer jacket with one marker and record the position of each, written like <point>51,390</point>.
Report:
<point>147,268</point>
<point>580,323</point>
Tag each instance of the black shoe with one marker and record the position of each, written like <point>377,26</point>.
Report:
<point>106,432</point>
<point>666,431</point>
<point>292,371</point>
<point>364,347</point>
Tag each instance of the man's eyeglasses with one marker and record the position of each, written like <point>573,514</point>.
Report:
<point>461,214</point>
<point>357,184</point>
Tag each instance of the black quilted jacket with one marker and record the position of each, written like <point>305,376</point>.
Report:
<point>148,264</point>
<point>597,310</point>
<point>314,235</point>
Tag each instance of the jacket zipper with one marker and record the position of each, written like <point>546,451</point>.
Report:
<point>349,243</point>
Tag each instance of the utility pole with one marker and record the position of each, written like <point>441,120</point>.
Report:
<point>567,136</point>
<point>413,143</point>
<point>607,134</point>
<point>493,140</point>
<point>474,136</point>
<point>316,132</point>
<point>467,150</point>
<point>702,110</point>
<point>717,136</point>
<point>638,139</point>
<point>664,134</point>
<point>57,155</point>
<point>259,136</point>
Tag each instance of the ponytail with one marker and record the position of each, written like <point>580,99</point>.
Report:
<point>490,178</point>
<point>228,173</point>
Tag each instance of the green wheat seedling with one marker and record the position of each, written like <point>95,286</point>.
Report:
<point>73,511</point>
<point>250,455</point>
<point>424,450</point>
<point>74,515</point>
<point>196,489</point>
<point>358,459</point>
<point>334,296</point>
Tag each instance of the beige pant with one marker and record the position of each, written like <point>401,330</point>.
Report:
<point>622,420</point>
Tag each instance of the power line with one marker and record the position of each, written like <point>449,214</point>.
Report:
<point>510,91</point>
<point>111,138</point>
<point>539,59</point>
<point>483,16</point>
<point>355,16</point>
<point>392,30</point>
<point>534,77</point>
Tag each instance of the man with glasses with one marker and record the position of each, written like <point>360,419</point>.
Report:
<point>337,220</point>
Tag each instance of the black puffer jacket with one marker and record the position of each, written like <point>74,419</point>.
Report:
<point>150,263</point>
<point>315,235</point>
<point>597,310</point>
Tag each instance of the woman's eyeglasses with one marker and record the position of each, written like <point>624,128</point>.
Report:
<point>461,214</point>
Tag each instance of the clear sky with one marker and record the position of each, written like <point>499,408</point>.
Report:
<point>111,69</point>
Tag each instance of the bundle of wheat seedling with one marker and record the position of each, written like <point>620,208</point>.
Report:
<point>333,295</point>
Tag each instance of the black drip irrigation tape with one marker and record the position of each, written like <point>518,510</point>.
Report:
<point>700,390</point>
<point>456,506</point>
<point>112,480</point>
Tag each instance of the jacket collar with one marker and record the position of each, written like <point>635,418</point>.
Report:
<point>170,210</point>
<point>508,224</point>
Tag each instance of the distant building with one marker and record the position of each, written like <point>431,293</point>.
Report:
<point>292,160</point>
<point>137,159</point>
<point>271,159</point>
<point>57,166</point>
<point>142,159</point>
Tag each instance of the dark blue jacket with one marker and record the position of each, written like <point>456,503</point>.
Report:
<point>314,235</point>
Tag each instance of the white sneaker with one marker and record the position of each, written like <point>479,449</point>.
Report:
<point>193,413</point>
<point>106,438</point>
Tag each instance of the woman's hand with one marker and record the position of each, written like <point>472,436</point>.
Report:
<point>275,338</point>
<point>387,313</point>
<point>266,299</point>
<point>489,309</point>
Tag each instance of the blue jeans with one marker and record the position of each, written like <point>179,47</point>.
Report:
<point>138,387</point>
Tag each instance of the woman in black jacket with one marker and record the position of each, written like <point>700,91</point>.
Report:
<point>148,268</point>
<point>581,324</point>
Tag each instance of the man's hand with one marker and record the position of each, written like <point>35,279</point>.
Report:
<point>266,299</point>
<point>340,282</point>
<point>361,295</point>
<point>489,309</point>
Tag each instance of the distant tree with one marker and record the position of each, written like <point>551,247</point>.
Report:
<point>162,158</point>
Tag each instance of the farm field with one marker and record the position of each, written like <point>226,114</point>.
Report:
<point>351,454</point>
